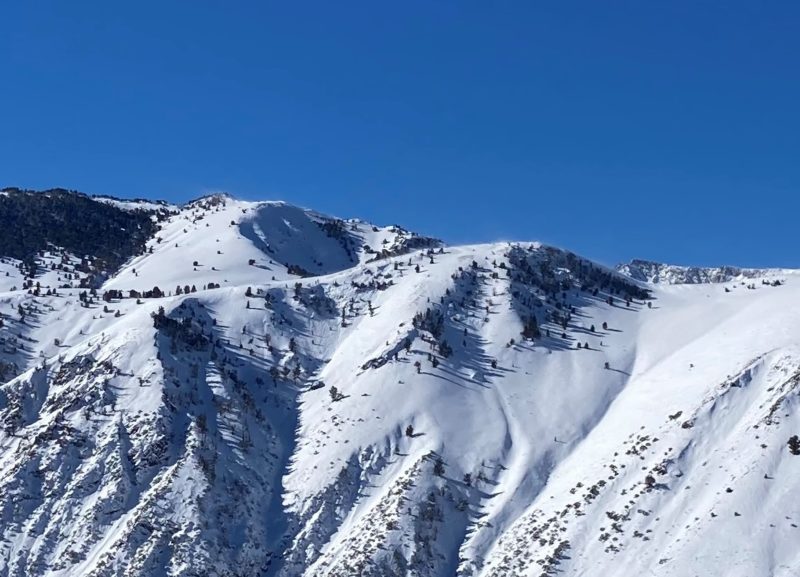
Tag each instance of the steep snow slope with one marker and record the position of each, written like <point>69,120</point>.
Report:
<point>706,413</point>
<point>388,416</point>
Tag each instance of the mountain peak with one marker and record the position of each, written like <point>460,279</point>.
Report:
<point>213,197</point>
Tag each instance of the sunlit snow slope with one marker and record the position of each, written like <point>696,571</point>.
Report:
<point>358,400</point>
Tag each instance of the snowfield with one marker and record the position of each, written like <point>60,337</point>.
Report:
<point>361,400</point>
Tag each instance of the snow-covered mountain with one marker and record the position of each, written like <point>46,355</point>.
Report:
<point>256,389</point>
<point>659,273</point>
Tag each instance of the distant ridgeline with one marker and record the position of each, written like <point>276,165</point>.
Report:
<point>102,234</point>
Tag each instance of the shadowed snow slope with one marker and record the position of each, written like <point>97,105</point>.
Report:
<point>356,400</point>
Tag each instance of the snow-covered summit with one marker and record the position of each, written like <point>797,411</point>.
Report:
<point>223,241</point>
<point>262,390</point>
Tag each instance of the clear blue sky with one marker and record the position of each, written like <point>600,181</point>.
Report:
<point>662,130</point>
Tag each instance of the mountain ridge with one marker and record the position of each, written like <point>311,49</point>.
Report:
<point>645,270</point>
<point>306,395</point>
